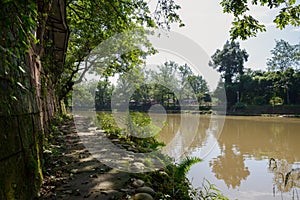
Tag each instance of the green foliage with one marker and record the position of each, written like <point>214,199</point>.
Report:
<point>142,131</point>
<point>92,22</point>
<point>208,191</point>
<point>103,95</point>
<point>245,26</point>
<point>84,95</point>
<point>288,16</point>
<point>275,101</point>
<point>184,166</point>
<point>170,183</point>
<point>18,21</point>
<point>140,125</point>
<point>167,85</point>
<point>107,123</point>
<point>138,131</point>
<point>229,61</point>
<point>284,56</point>
<point>259,87</point>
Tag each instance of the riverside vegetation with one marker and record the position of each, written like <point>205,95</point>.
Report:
<point>168,183</point>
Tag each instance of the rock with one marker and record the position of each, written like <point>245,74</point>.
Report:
<point>92,128</point>
<point>63,196</point>
<point>146,189</point>
<point>138,183</point>
<point>142,196</point>
<point>87,195</point>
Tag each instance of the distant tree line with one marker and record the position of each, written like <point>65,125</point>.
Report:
<point>170,85</point>
<point>278,84</point>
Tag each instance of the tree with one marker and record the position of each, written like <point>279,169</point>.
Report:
<point>92,22</point>
<point>84,95</point>
<point>284,55</point>
<point>245,26</point>
<point>129,87</point>
<point>229,61</point>
<point>103,94</point>
<point>200,87</point>
<point>165,81</point>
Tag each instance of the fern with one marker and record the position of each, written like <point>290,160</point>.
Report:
<point>184,166</point>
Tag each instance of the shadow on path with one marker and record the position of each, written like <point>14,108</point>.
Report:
<point>71,172</point>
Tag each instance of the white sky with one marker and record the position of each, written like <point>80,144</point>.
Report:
<point>208,26</point>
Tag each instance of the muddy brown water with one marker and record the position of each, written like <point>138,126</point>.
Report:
<point>245,157</point>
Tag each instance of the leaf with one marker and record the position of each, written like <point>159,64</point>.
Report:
<point>21,69</point>
<point>21,85</point>
<point>14,98</point>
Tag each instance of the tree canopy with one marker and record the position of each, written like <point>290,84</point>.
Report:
<point>284,55</point>
<point>279,84</point>
<point>245,25</point>
<point>229,61</point>
<point>92,22</point>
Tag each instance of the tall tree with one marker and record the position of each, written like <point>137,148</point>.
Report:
<point>284,55</point>
<point>103,94</point>
<point>92,22</point>
<point>229,61</point>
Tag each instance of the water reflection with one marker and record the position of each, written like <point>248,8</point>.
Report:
<point>190,133</point>
<point>243,150</point>
<point>230,167</point>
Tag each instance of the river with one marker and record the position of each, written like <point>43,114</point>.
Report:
<point>245,157</point>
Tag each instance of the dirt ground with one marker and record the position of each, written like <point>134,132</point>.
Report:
<point>71,172</point>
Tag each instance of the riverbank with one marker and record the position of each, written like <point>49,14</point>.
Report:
<point>71,172</point>
<point>266,110</point>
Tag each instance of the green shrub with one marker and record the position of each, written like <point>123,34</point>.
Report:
<point>275,101</point>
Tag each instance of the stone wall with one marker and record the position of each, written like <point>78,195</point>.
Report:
<point>27,105</point>
<point>22,130</point>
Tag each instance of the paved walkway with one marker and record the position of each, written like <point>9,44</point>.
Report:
<point>73,173</point>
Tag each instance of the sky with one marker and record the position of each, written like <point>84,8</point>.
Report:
<point>208,27</point>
